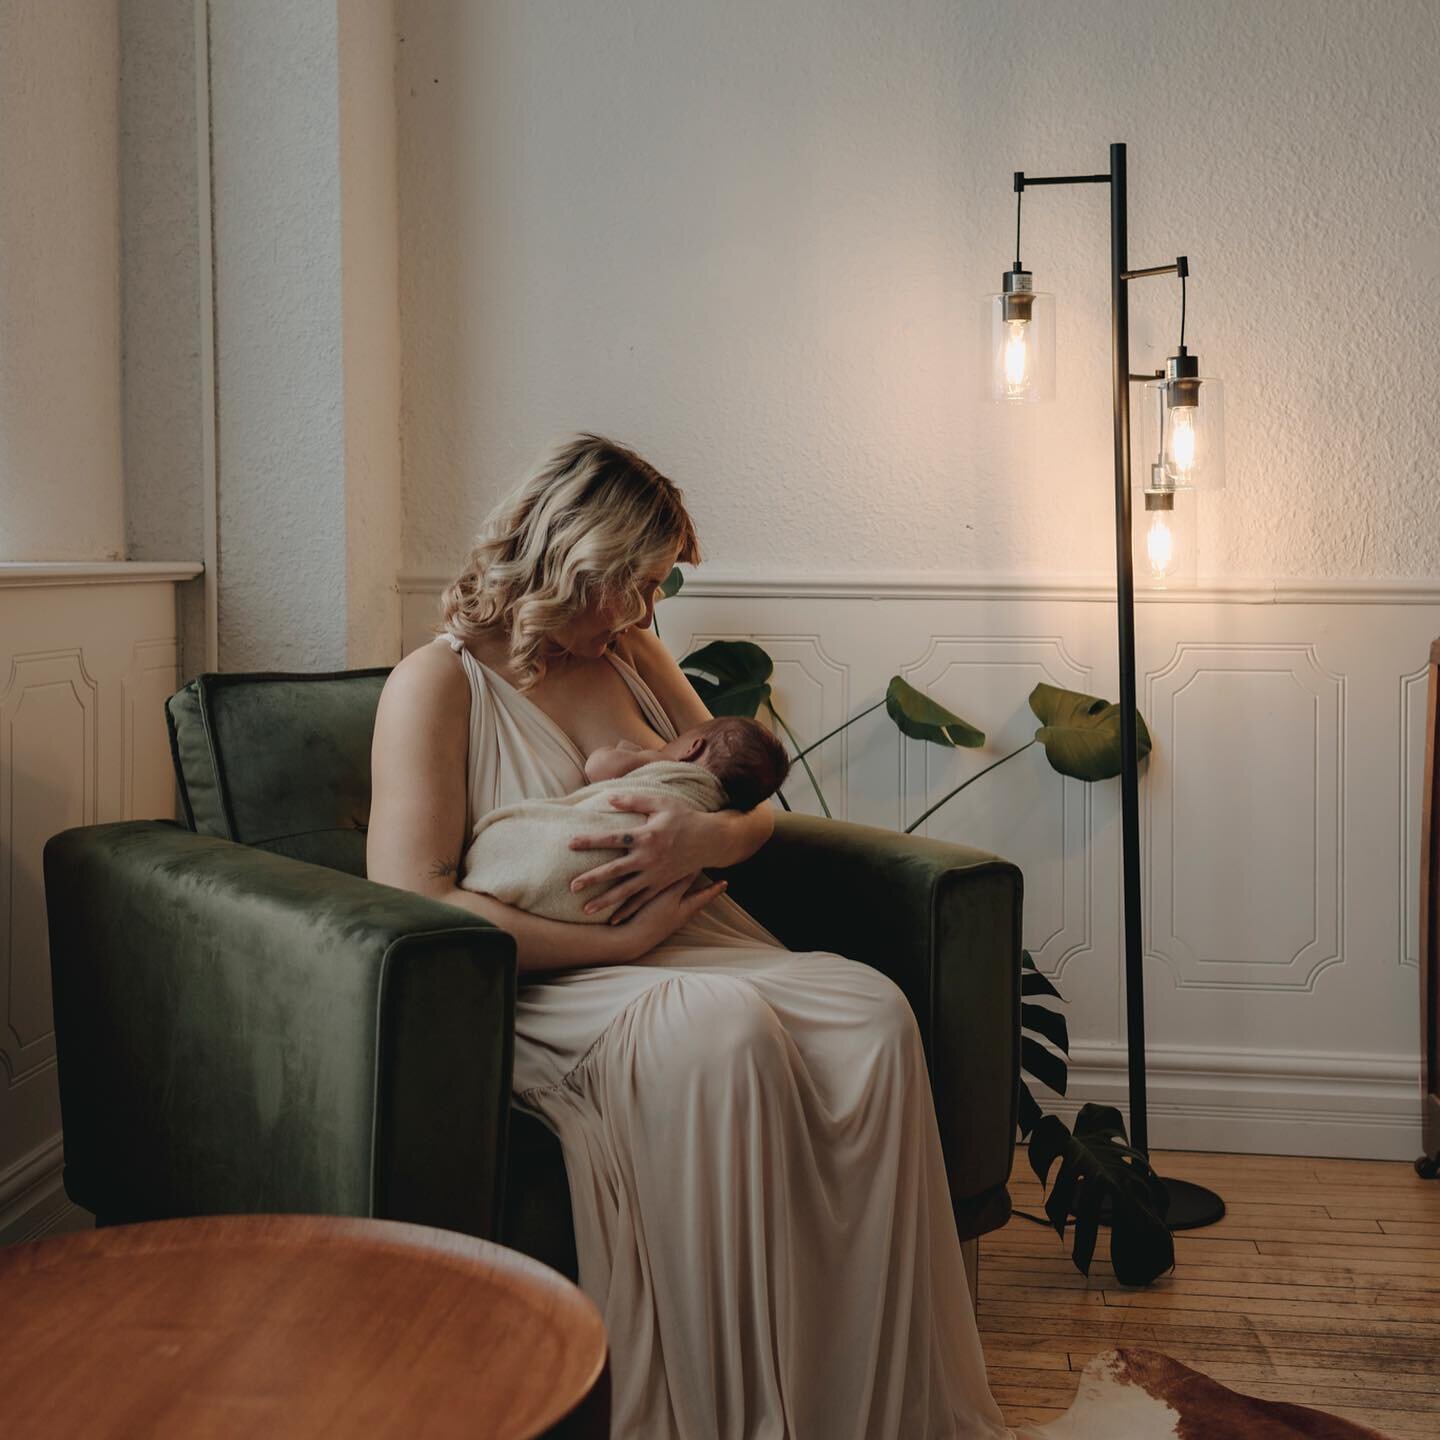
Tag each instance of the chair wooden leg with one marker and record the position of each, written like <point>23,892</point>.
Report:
<point>970,1253</point>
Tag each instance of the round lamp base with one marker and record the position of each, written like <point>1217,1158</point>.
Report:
<point>1191,1206</point>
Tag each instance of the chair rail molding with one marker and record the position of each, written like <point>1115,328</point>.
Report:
<point>28,574</point>
<point>957,585</point>
<point>88,655</point>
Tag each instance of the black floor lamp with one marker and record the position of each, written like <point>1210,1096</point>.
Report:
<point>1189,454</point>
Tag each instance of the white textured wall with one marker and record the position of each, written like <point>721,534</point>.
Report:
<point>161,235</point>
<point>748,238</point>
<point>60,457</point>
<point>371,326</point>
<point>279,443</point>
<point>306,325</point>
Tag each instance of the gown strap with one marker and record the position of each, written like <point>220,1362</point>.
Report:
<point>654,713</point>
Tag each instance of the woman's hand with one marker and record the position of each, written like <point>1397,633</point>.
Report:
<point>658,919</point>
<point>667,842</point>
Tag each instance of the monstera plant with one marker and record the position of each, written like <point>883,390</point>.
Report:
<point>1101,1178</point>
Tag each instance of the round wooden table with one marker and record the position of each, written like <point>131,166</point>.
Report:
<point>293,1325</point>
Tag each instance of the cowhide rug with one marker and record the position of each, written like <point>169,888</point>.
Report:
<point>1139,1395</point>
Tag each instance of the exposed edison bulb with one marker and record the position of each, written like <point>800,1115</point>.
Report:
<point>1017,357</point>
<point>1018,336</point>
<point>1160,545</point>
<point>1183,450</point>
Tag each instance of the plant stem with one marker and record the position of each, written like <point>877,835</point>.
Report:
<point>819,794</point>
<point>815,745</point>
<point>915,825</point>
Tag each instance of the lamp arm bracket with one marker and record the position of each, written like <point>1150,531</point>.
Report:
<point>1023,181</point>
<point>1178,267</point>
<point>1149,375</point>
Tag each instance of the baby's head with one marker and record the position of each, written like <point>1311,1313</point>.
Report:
<point>747,760</point>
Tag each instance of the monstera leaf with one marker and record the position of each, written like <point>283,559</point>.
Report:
<point>671,584</point>
<point>1081,734</point>
<point>1041,1064</point>
<point>732,677</point>
<point>1099,1172</point>
<point>921,718</point>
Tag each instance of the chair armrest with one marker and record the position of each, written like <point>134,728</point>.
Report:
<point>943,922</point>
<point>241,1031</point>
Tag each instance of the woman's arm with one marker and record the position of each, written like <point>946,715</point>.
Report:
<point>542,945</point>
<point>417,823</point>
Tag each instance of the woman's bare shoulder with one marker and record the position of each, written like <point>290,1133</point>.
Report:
<point>427,688</point>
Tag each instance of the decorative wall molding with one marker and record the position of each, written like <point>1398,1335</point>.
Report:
<point>87,658</point>
<point>36,1171</point>
<point>33,1201</point>
<point>1274,706</point>
<point>1289,1103</point>
<point>147,684</point>
<point>1227,826</point>
<point>1412,779</point>
<point>49,763</point>
<point>24,574</point>
<point>896,585</point>
<point>999,672</point>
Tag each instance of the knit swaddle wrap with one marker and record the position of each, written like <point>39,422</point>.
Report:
<point>521,853</point>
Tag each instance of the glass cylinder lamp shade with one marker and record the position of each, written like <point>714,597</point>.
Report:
<point>1186,425</point>
<point>1165,538</point>
<point>1019,334</point>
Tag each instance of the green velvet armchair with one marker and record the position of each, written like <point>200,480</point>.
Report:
<point>245,1023</point>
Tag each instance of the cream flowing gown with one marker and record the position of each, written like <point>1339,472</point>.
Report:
<point>761,1210</point>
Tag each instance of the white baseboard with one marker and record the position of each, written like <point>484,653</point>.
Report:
<point>1247,1102</point>
<point>32,1193</point>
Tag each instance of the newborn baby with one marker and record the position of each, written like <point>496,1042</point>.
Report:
<point>521,853</point>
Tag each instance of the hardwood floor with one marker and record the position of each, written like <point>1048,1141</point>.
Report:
<point>1320,1287</point>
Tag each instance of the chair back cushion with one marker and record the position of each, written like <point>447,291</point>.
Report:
<point>280,761</point>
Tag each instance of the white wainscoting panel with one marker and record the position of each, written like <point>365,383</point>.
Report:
<point>981,676</point>
<point>1216,919</point>
<point>1280,816</point>
<point>1412,711</point>
<point>87,658</point>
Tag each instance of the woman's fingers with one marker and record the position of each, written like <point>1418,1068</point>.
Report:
<point>665,912</point>
<point>615,894</point>
<point>637,804</point>
<point>636,902</point>
<point>615,840</point>
<point>606,874</point>
<point>701,898</point>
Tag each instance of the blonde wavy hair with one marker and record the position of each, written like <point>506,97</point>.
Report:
<point>582,531</point>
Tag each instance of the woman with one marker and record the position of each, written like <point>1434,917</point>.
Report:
<point>761,1211</point>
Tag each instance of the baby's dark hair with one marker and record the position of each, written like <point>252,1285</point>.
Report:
<point>749,762</point>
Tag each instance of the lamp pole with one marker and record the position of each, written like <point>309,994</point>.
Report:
<point>1125,615</point>
<point>1190,1205</point>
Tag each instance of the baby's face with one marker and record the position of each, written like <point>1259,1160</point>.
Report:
<point>612,761</point>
